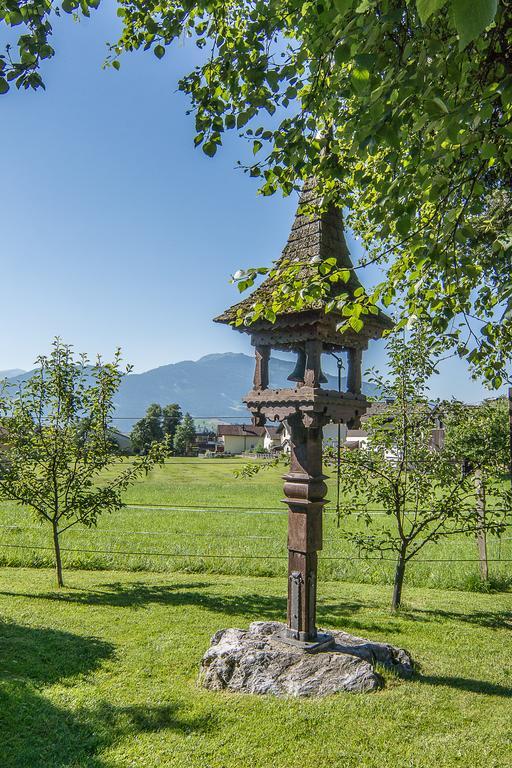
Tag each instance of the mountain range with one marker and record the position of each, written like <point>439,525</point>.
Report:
<point>210,388</point>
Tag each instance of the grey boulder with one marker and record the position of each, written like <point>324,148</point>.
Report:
<point>257,661</point>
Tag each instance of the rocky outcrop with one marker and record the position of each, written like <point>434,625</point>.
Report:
<point>257,661</point>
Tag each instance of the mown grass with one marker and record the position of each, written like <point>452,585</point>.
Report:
<point>103,674</point>
<point>237,526</point>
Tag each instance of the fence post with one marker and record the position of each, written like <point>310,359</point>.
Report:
<point>481,535</point>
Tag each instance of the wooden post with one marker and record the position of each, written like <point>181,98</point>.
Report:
<point>262,354</point>
<point>354,374</point>
<point>305,490</point>
<point>481,535</point>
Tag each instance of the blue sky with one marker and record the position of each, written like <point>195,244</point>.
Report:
<point>115,230</point>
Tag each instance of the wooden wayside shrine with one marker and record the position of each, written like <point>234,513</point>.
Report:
<point>306,407</point>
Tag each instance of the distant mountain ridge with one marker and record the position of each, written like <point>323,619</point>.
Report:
<point>10,372</point>
<point>211,387</point>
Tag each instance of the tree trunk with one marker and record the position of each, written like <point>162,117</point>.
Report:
<point>58,560</point>
<point>399,581</point>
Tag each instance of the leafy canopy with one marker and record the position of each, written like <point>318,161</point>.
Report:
<point>185,436</point>
<point>401,109</point>
<point>56,443</point>
<point>424,494</point>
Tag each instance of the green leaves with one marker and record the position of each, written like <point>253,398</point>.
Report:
<point>356,323</point>
<point>342,6</point>
<point>472,17</point>
<point>427,7</point>
<point>415,139</point>
<point>210,148</point>
<point>61,458</point>
<point>69,5</point>
<point>4,85</point>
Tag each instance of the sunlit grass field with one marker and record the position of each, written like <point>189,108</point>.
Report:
<point>194,515</point>
<point>103,674</point>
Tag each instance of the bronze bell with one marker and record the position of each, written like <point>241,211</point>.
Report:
<point>300,367</point>
<point>299,371</point>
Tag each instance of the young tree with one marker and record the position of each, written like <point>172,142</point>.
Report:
<point>148,430</point>
<point>422,491</point>
<point>171,417</point>
<point>56,443</point>
<point>184,439</point>
<point>478,439</point>
<point>401,109</point>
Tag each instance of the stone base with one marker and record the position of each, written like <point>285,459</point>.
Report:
<point>258,661</point>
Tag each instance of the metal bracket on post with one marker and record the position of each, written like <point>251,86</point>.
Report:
<point>292,635</point>
<point>295,602</point>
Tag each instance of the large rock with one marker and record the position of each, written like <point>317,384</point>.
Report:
<point>258,661</point>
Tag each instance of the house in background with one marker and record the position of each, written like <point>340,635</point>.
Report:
<point>206,440</point>
<point>272,439</point>
<point>329,434</point>
<point>235,439</point>
<point>123,442</point>
<point>239,438</point>
<point>356,439</point>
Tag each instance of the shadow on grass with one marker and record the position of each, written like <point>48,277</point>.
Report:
<point>486,619</point>
<point>41,656</point>
<point>253,606</point>
<point>36,733</point>
<point>467,684</point>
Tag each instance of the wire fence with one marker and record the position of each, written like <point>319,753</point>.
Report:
<point>246,557</point>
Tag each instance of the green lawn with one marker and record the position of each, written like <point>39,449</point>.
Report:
<point>218,537</point>
<point>103,675</point>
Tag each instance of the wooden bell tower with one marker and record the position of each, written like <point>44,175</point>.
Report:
<point>307,407</point>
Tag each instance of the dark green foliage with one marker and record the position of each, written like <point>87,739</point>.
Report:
<point>171,417</point>
<point>157,425</point>
<point>423,492</point>
<point>148,430</point>
<point>402,111</point>
<point>184,439</point>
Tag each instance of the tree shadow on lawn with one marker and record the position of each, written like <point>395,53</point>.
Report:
<point>467,684</point>
<point>485,619</point>
<point>254,606</point>
<point>35,732</point>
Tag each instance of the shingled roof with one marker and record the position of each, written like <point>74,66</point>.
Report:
<point>313,239</point>
<point>239,430</point>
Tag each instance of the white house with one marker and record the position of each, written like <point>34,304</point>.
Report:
<point>123,442</point>
<point>239,438</point>
<point>329,433</point>
<point>272,439</point>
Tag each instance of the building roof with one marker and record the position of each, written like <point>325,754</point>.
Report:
<point>239,430</point>
<point>313,239</point>
<point>356,434</point>
<point>272,431</point>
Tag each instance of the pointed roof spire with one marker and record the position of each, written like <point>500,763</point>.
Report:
<point>314,238</point>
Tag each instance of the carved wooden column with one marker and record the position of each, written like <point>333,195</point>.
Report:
<point>262,353</point>
<point>354,377</point>
<point>305,490</point>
